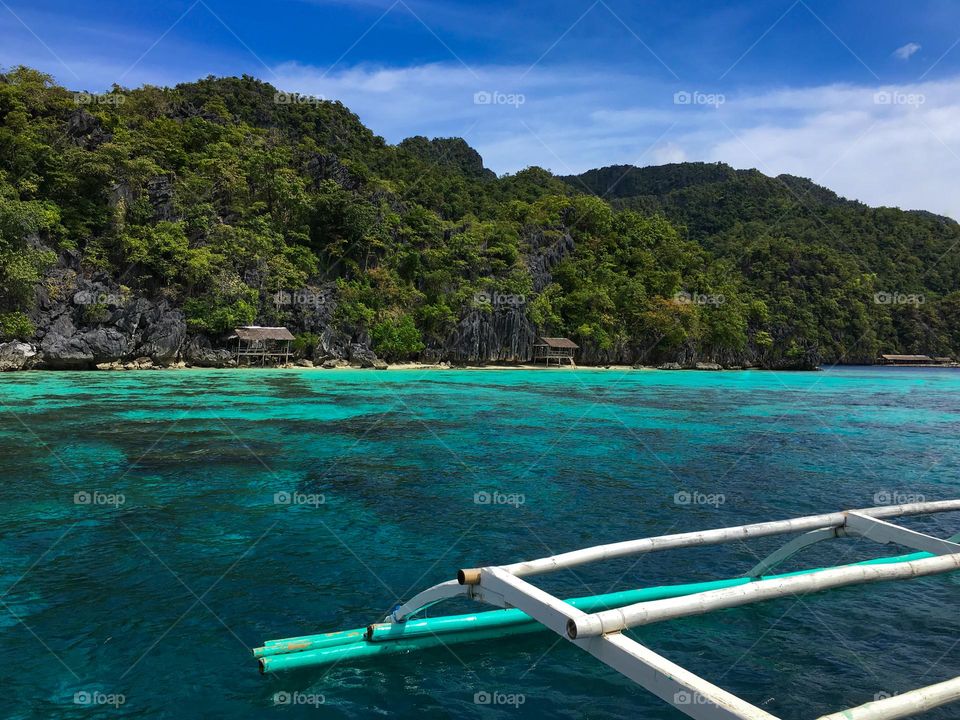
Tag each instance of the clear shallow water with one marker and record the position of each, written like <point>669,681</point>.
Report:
<point>159,599</point>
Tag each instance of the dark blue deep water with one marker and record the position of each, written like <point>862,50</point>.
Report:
<point>156,602</point>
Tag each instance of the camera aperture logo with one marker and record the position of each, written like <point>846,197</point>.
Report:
<point>97,697</point>
<point>495,97</point>
<point>485,697</point>
<point>298,698</point>
<point>97,497</point>
<point>499,498</point>
<point>298,498</point>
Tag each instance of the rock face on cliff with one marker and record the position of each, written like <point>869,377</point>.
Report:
<point>86,130</point>
<point>491,335</point>
<point>501,331</point>
<point>545,252</point>
<point>83,322</point>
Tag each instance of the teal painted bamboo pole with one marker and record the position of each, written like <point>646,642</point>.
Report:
<point>386,638</point>
<point>309,642</point>
<point>354,651</point>
<point>390,632</point>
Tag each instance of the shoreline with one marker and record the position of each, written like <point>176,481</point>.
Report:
<point>406,367</point>
<point>401,367</point>
<point>340,364</point>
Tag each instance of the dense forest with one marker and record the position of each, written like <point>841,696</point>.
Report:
<point>153,221</point>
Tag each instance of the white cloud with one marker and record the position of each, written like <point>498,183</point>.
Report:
<point>893,145</point>
<point>905,52</point>
<point>668,153</point>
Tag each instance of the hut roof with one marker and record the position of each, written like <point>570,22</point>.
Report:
<point>916,358</point>
<point>255,332</point>
<point>559,343</point>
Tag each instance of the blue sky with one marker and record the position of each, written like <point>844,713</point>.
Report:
<point>863,97</point>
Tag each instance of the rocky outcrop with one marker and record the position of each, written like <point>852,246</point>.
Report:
<point>547,248</point>
<point>158,330</point>
<point>362,355</point>
<point>201,352</point>
<point>83,322</point>
<point>16,355</point>
<point>160,194</point>
<point>64,347</point>
<point>86,130</point>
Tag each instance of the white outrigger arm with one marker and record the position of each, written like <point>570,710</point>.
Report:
<point>602,633</point>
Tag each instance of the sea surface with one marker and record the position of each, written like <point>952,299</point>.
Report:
<point>155,526</point>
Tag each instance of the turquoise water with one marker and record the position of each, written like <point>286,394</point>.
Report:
<point>153,591</point>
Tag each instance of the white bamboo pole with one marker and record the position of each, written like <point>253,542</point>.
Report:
<point>426,598</point>
<point>706,537</point>
<point>695,697</point>
<point>904,705</point>
<point>781,555</point>
<point>645,613</point>
<point>881,531</point>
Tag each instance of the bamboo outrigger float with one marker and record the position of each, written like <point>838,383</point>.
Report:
<point>597,623</point>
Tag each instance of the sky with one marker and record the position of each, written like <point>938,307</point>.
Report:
<point>862,96</point>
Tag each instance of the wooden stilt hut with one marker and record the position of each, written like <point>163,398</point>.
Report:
<point>559,349</point>
<point>258,344</point>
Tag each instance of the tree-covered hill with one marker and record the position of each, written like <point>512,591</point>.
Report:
<point>725,210</point>
<point>152,221</point>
